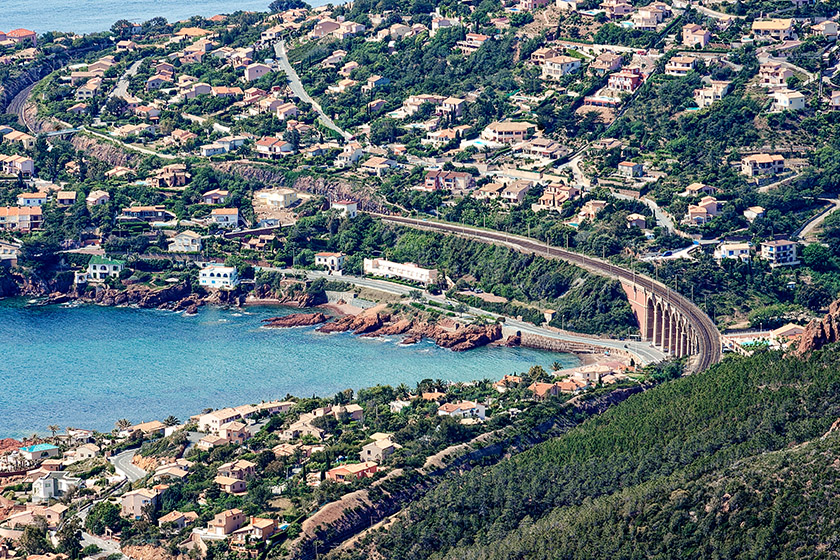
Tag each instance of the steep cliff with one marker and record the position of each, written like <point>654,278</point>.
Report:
<point>820,332</point>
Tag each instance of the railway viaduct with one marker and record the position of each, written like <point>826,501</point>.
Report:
<point>666,319</point>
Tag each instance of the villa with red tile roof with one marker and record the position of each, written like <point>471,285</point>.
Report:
<point>21,35</point>
<point>348,473</point>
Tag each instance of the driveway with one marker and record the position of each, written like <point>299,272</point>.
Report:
<point>298,89</point>
<point>663,219</point>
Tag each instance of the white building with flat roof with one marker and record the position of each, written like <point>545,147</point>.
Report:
<point>347,207</point>
<point>278,198</point>
<point>406,271</point>
<point>219,277</point>
<point>780,252</point>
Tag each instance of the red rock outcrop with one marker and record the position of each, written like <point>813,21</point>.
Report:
<point>469,337</point>
<point>9,444</point>
<point>296,298</point>
<point>820,332</point>
<point>513,340</point>
<point>296,320</point>
<point>376,324</point>
<point>359,324</point>
<point>142,296</point>
<point>400,327</point>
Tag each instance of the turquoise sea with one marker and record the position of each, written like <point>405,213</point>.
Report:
<point>89,366</point>
<point>88,16</point>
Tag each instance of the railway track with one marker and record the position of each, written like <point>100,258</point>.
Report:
<point>18,103</point>
<point>709,348</point>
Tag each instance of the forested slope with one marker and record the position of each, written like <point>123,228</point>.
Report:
<point>714,465</point>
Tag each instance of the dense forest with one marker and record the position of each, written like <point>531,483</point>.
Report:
<point>724,464</point>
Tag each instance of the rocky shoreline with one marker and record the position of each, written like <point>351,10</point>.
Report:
<point>375,322</point>
<point>378,322</point>
<point>177,297</point>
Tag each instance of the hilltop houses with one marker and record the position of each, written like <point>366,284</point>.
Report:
<point>627,80</point>
<point>185,242</point>
<point>455,181</point>
<point>715,91</point>
<point>779,252</point>
<point>702,212</point>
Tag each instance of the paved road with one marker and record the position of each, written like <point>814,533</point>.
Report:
<point>580,179</point>
<point>300,91</point>
<point>808,230</point>
<point>125,467</point>
<point>707,334</point>
<point>121,90</point>
<point>663,219</point>
<point>108,547</point>
<point>643,351</point>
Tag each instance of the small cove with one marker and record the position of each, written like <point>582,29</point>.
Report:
<point>87,366</point>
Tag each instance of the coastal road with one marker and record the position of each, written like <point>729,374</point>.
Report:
<point>707,333</point>
<point>643,351</point>
<point>300,91</point>
<point>122,463</point>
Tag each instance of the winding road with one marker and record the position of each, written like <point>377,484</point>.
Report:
<point>121,90</point>
<point>300,91</point>
<point>807,232</point>
<point>123,465</point>
<point>708,336</point>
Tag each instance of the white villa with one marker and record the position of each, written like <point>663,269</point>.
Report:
<point>406,271</point>
<point>218,277</point>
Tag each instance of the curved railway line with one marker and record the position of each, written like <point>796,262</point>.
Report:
<point>708,337</point>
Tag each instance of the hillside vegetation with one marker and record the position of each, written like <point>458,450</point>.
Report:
<point>723,464</point>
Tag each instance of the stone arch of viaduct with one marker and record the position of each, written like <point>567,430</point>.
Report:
<point>662,322</point>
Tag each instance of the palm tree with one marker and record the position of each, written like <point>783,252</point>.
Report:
<point>171,421</point>
<point>556,366</point>
<point>122,424</point>
<point>53,428</point>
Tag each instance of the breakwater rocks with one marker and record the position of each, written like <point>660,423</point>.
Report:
<point>458,338</point>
